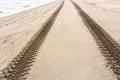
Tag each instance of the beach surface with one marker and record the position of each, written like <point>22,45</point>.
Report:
<point>69,51</point>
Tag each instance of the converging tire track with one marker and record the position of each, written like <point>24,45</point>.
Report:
<point>20,65</point>
<point>109,47</point>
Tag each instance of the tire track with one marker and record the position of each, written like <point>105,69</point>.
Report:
<point>19,67</point>
<point>108,46</point>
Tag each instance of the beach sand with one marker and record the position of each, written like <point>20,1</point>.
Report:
<point>69,51</point>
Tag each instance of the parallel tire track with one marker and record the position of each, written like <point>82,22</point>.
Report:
<point>109,47</point>
<point>20,65</point>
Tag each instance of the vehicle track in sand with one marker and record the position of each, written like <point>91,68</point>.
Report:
<point>20,66</point>
<point>108,46</point>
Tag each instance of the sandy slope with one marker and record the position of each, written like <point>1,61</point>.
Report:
<point>69,52</point>
<point>16,30</point>
<point>109,20</point>
<point>112,5</point>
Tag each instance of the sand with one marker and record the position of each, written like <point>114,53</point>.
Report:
<point>69,52</point>
<point>108,18</point>
<point>17,29</point>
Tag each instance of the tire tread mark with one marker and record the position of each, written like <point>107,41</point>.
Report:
<point>19,67</point>
<point>108,46</point>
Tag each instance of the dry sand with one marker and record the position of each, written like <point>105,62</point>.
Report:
<point>108,19</point>
<point>16,30</point>
<point>69,52</point>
